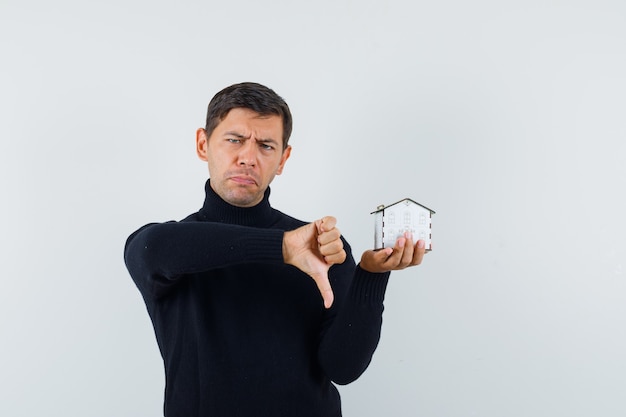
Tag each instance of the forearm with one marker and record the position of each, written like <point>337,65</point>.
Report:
<point>347,346</point>
<point>167,251</point>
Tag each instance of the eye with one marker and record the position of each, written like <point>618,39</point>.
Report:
<point>233,140</point>
<point>266,147</point>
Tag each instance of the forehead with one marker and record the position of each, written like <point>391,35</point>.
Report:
<point>247,119</point>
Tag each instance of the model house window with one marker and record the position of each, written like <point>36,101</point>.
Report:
<point>407,217</point>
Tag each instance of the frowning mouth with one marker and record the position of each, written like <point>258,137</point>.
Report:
<point>243,179</point>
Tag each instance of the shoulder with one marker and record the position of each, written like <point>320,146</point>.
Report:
<point>145,228</point>
<point>284,221</point>
<point>194,217</point>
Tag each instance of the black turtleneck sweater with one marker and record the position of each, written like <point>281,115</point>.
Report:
<point>242,333</point>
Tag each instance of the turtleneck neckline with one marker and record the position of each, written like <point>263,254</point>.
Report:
<point>215,209</point>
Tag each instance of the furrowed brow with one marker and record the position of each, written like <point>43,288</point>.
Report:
<point>268,140</point>
<point>237,135</point>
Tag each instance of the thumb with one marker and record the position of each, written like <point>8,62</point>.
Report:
<point>374,260</point>
<point>379,256</point>
<point>323,284</point>
<point>383,254</point>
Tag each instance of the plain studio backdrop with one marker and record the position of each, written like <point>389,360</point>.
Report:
<point>506,117</point>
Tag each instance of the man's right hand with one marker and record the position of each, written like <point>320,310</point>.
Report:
<point>313,249</point>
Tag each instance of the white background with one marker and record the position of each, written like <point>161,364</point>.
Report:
<point>506,117</point>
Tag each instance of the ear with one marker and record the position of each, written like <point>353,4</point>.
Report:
<point>202,144</point>
<point>283,159</point>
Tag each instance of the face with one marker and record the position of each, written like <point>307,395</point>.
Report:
<point>244,153</point>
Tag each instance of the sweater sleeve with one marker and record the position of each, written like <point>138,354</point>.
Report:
<point>158,254</point>
<point>349,339</point>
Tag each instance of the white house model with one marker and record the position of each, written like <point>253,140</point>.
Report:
<point>392,221</point>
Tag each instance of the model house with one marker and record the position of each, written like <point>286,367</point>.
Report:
<point>392,221</point>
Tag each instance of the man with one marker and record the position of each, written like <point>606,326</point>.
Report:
<point>257,313</point>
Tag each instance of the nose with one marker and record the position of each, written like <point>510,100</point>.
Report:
<point>247,154</point>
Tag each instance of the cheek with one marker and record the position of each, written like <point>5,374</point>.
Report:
<point>214,165</point>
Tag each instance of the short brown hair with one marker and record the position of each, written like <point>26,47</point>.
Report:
<point>253,96</point>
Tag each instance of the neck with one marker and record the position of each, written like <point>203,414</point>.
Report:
<point>215,209</point>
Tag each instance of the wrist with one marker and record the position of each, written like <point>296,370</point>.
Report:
<point>286,253</point>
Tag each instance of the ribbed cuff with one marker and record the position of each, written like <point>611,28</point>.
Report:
<point>268,245</point>
<point>369,287</point>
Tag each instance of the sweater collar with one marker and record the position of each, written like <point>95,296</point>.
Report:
<point>215,209</point>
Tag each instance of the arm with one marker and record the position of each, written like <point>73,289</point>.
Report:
<point>157,255</point>
<point>351,326</point>
<point>350,338</point>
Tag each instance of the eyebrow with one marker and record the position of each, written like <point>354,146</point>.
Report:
<point>268,140</point>
<point>237,135</point>
<point>240,136</point>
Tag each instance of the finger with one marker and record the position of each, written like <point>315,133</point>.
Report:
<point>394,260</point>
<point>329,236</point>
<point>333,252</point>
<point>338,254</point>
<point>331,246</point>
<point>418,254</point>
<point>327,223</point>
<point>323,284</point>
<point>407,254</point>
<point>335,258</point>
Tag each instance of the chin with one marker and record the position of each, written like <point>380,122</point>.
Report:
<point>243,199</point>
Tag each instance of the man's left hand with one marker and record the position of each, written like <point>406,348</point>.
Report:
<point>403,255</point>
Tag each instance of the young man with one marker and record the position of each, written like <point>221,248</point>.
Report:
<point>257,313</point>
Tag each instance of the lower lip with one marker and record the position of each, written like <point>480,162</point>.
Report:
<point>244,181</point>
